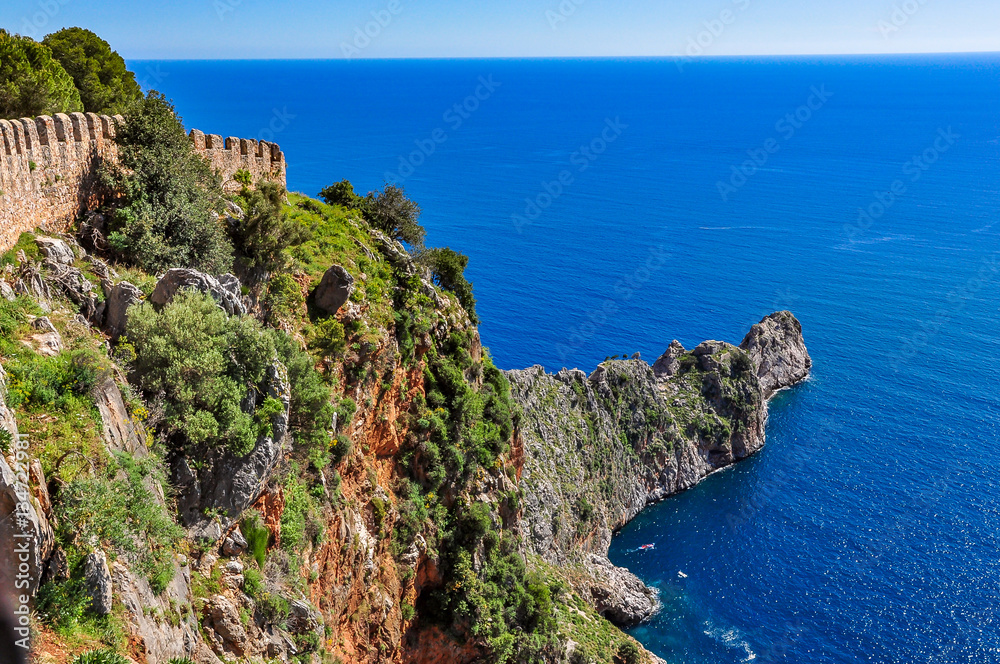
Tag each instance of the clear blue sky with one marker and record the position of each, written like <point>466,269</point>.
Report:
<point>483,28</point>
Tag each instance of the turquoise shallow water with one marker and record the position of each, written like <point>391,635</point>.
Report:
<point>866,531</point>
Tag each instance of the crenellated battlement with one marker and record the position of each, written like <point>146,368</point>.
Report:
<point>49,167</point>
<point>262,159</point>
<point>22,136</point>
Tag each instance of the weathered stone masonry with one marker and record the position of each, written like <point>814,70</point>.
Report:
<point>49,165</point>
<point>261,158</point>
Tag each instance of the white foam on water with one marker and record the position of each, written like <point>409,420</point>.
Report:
<point>731,639</point>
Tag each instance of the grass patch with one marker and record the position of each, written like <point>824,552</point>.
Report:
<point>26,243</point>
<point>257,536</point>
<point>338,237</point>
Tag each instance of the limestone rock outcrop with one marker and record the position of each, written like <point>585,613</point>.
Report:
<point>334,290</point>
<point>669,362</point>
<point>99,584</point>
<point>617,594</point>
<point>121,297</point>
<point>31,283</point>
<point>225,290</point>
<point>47,341</point>
<point>777,348</point>
<point>62,277</point>
<point>55,251</point>
<point>179,635</point>
<point>121,432</point>
<point>25,530</point>
<point>234,544</point>
<point>222,620</point>
<point>600,448</point>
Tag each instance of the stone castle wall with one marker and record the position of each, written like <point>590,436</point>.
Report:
<point>49,166</point>
<point>260,158</point>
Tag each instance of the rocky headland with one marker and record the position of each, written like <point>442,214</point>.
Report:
<point>601,447</point>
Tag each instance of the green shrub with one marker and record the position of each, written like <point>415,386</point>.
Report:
<point>581,655</point>
<point>742,363</point>
<point>166,216</point>
<point>6,441</point>
<point>284,297</point>
<point>345,411</point>
<point>243,177</point>
<point>300,520</point>
<point>408,611</point>
<point>328,337</point>
<point>99,73</point>
<point>253,582</point>
<point>628,653</point>
<point>161,577</point>
<point>341,193</point>
<point>275,609</point>
<point>115,508</point>
<point>32,82</point>
<point>63,381</point>
<point>391,212</point>
<point>448,268</point>
<point>63,605</point>
<point>204,363</point>
<point>265,231</point>
<point>26,243</point>
<point>100,657</point>
<point>380,510</point>
<point>308,642</point>
<point>340,449</point>
<point>310,410</point>
<point>257,536</point>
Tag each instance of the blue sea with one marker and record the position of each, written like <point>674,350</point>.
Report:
<point>609,206</point>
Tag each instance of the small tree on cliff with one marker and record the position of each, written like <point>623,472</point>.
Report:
<point>105,83</point>
<point>341,193</point>
<point>393,213</point>
<point>448,268</point>
<point>167,214</point>
<point>389,210</point>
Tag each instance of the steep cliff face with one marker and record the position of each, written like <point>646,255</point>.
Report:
<point>452,514</point>
<point>600,448</point>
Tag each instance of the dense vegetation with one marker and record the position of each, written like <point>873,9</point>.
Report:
<point>389,210</point>
<point>167,214</point>
<point>448,268</point>
<point>264,233</point>
<point>32,81</point>
<point>99,73</point>
<point>69,71</point>
<point>203,363</point>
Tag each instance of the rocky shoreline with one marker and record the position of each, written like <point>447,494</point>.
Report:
<point>588,454</point>
<point>600,448</point>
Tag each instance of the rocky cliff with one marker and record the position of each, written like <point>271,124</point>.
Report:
<point>453,513</point>
<point>600,448</point>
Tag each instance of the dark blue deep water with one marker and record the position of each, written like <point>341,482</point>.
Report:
<point>867,530</point>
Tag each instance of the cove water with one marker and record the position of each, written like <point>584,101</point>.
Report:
<point>610,206</point>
